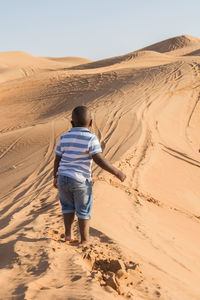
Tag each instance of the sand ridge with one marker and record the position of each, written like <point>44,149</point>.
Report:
<point>176,45</point>
<point>145,108</point>
<point>19,64</point>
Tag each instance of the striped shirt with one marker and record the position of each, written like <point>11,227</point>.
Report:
<point>76,148</point>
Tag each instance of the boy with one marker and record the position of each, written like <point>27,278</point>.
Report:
<point>72,171</point>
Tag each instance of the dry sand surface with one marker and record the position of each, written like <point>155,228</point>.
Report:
<point>145,231</point>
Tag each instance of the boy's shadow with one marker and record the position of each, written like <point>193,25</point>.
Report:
<point>94,233</point>
<point>103,238</point>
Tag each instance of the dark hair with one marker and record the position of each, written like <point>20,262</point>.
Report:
<point>81,116</point>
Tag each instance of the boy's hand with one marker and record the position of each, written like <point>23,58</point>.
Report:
<point>106,165</point>
<point>121,176</point>
<point>55,183</point>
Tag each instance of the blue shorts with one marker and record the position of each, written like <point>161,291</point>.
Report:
<point>75,196</point>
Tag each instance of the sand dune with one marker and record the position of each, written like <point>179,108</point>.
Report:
<point>19,64</point>
<point>145,108</point>
<point>176,46</point>
<point>135,59</point>
<point>196,52</point>
<point>70,60</point>
<point>153,55</point>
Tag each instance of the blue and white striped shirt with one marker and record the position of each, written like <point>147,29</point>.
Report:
<point>76,148</point>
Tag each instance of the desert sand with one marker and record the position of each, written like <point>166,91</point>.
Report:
<point>145,231</point>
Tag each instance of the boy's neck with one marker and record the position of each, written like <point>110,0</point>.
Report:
<point>81,127</point>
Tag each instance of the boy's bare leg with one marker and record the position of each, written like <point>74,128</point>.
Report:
<point>84,230</point>
<point>68,220</point>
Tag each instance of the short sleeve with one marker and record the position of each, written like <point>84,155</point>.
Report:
<point>58,148</point>
<point>94,146</point>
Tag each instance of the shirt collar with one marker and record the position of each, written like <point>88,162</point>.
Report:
<point>85,129</point>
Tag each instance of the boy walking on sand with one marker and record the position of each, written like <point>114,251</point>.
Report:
<point>72,171</point>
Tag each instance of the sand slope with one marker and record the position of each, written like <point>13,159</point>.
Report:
<point>178,45</point>
<point>145,107</point>
<point>19,64</point>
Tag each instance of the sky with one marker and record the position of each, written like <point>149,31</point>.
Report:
<point>93,29</point>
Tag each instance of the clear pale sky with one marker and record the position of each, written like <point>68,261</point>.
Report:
<point>93,29</point>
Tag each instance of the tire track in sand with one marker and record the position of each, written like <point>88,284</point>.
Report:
<point>27,196</point>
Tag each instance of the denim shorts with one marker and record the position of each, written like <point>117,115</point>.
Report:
<point>75,196</point>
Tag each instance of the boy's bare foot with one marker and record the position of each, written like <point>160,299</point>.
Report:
<point>84,243</point>
<point>70,240</point>
<point>67,238</point>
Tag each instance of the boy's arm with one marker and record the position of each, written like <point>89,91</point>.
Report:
<point>106,165</point>
<point>55,170</point>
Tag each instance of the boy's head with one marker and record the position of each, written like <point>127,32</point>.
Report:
<point>81,117</point>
